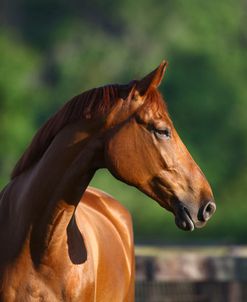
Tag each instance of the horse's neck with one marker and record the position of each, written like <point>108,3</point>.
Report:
<point>44,198</point>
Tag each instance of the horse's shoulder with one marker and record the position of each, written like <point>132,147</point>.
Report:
<point>106,205</point>
<point>104,200</point>
<point>106,226</point>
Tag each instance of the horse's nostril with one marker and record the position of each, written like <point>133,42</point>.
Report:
<point>207,211</point>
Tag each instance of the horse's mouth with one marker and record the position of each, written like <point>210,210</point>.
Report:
<point>183,219</point>
<point>185,222</point>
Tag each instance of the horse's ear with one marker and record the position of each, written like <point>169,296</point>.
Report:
<point>153,79</point>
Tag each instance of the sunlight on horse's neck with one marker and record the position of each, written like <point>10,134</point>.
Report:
<point>56,183</point>
<point>42,200</point>
<point>68,164</point>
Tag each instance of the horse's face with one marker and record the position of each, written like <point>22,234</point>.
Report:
<point>145,151</point>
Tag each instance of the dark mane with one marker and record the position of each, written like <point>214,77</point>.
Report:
<point>94,102</point>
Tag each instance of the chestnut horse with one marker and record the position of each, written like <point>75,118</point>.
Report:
<point>55,246</point>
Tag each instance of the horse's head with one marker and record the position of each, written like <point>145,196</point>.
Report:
<point>143,149</point>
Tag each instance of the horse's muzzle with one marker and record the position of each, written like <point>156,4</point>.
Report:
<point>206,211</point>
<point>183,219</point>
<point>186,221</point>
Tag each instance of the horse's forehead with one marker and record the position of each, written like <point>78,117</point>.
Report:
<point>155,112</point>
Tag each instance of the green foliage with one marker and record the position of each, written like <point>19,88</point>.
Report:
<point>63,49</point>
<point>17,89</point>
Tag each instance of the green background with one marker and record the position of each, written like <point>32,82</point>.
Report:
<point>53,50</point>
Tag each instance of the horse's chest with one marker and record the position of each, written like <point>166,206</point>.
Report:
<point>99,278</point>
<point>48,285</point>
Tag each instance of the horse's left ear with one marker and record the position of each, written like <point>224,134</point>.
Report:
<point>153,79</point>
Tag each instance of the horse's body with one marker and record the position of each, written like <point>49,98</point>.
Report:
<point>54,247</point>
<point>74,272</point>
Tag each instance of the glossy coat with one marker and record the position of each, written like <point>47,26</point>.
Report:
<point>63,242</point>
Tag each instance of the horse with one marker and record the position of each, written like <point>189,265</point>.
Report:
<point>63,241</point>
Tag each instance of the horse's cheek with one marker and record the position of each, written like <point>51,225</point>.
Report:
<point>115,161</point>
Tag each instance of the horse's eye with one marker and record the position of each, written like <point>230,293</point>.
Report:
<point>162,133</point>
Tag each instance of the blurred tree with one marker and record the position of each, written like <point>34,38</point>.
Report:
<point>18,82</point>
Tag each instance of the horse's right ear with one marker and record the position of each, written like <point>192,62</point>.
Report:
<point>153,79</point>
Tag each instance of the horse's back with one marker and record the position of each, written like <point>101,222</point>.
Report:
<point>106,227</point>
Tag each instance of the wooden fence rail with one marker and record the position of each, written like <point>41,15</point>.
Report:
<point>191,274</point>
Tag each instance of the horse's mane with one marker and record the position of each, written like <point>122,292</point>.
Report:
<point>91,103</point>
